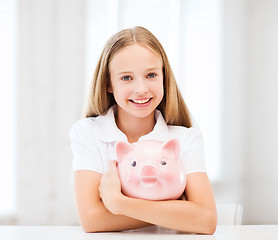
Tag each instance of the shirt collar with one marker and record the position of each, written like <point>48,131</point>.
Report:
<point>160,130</point>
<point>107,131</point>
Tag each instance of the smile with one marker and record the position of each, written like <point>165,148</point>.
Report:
<point>141,101</point>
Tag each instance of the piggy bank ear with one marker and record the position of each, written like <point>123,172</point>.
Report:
<point>122,148</point>
<point>173,146</point>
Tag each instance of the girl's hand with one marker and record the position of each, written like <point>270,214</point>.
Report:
<point>110,188</point>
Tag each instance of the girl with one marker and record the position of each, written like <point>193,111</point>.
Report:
<point>134,97</point>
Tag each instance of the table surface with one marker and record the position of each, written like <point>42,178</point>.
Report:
<point>239,232</point>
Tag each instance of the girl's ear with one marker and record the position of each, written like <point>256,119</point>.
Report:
<point>173,146</point>
<point>122,148</point>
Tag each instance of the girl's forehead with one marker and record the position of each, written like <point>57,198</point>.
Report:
<point>136,55</point>
<point>141,47</point>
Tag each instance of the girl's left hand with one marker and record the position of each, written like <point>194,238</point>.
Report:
<point>110,188</point>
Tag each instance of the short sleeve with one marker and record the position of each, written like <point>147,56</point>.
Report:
<point>192,151</point>
<point>84,147</point>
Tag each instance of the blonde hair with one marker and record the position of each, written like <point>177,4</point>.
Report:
<point>172,106</point>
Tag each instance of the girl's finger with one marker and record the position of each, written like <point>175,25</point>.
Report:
<point>113,166</point>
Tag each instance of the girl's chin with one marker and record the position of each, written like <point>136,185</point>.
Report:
<point>139,113</point>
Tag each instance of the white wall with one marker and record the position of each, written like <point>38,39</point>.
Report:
<point>8,75</point>
<point>261,112</point>
<point>50,83</point>
<point>250,113</point>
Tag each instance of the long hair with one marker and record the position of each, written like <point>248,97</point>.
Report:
<point>172,106</point>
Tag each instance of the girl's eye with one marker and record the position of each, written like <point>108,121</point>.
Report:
<point>163,162</point>
<point>133,163</point>
<point>151,75</point>
<point>126,78</point>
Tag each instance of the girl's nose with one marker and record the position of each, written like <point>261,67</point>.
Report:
<point>141,86</point>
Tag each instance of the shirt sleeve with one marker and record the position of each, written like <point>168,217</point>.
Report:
<point>84,147</point>
<point>192,151</point>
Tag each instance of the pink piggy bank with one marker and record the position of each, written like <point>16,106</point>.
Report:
<point>151,169</point>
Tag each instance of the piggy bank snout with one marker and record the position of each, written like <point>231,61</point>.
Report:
<point>149,171</point>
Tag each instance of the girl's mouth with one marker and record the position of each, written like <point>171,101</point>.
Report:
<point>141,101</point>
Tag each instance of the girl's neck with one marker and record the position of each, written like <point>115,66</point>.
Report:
<point>134,127</point>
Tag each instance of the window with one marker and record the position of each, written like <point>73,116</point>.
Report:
<point>201,86</point>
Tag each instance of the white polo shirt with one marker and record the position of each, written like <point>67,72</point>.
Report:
<point>93,142</point>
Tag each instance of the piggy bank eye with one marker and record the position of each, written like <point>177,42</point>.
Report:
<point>133,163</point>
<point>163,162</point>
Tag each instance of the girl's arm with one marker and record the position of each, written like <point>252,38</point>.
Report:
<point>93,215</point>
<point>196,215</point>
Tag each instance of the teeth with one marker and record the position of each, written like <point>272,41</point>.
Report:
<point>141,101</point>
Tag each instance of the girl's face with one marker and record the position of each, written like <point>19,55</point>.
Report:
<point>136,81</point>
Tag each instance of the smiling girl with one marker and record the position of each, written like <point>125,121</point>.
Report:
<point>134,97</point>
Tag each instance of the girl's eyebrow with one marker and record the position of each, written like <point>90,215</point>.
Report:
<point>125,72</point>
<point>153,68</point>
<point>147,69</point>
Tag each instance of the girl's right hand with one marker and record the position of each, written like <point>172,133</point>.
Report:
<point>110,188</point>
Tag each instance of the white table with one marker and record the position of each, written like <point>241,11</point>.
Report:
<point>244,232</point>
